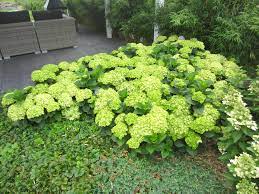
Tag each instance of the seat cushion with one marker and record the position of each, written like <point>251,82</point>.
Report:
<point>14,17</point>
<point>47,15</point>
<point>55,5</point>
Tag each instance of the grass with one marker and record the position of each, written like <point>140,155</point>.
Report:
<point>77,156</point>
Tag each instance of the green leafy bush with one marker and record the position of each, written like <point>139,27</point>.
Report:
<point>150,97</point>
<point>226,27</point>
<point>251,95</point>
<point>88,12</point>
<point>133,18</point>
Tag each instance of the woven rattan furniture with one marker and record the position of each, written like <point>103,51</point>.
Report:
<point>56,33</point>
<point>17,37</point>
<point>1,57</point>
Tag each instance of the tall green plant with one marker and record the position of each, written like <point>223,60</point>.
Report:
<point>134,18</point>
<point>88,12</point>
<point>227,27</point>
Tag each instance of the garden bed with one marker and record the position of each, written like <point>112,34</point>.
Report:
<point>158,103</point>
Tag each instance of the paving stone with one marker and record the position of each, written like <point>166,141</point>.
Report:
<point>16,72</point>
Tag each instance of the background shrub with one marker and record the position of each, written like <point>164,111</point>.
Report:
<point>88,12</point>
<point>251,93</point>
<point>133,18</point>
<point>226,27</point>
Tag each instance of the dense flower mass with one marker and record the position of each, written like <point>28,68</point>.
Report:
<point>245,168</point>
<point>239,114</point>
<point>246,187</point>
<point>56,91</point>
<point>144,94</point>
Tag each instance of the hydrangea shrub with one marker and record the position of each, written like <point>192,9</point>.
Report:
<point>144,94</point>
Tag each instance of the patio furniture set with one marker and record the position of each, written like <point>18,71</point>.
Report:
<point>48,30</point>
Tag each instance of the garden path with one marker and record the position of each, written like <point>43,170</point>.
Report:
<point>16,72</point>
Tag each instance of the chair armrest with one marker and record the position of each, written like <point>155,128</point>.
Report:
<point>16,25</point>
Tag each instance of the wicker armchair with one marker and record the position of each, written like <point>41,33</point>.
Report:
<point>1,56</point>
<point>56,33</point>
<point>17,38</point>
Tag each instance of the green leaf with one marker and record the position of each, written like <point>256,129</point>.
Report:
<point>97,72</point>
<point>243,146</point>
<point>165,153</point>
<point>179,144</point>
<point>236,135</point>
<point>209,134</point>
<point>123,94</point>
<point>191,151</point>
<point>151,148</point>
<point>248,132</point>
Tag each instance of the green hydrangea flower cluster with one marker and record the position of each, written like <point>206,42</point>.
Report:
<point>245,168</point>
<point>61,94</point>
<point>107,101</point>
<point>245,186</point>
<point>238,114</point>
<point>206,121</point>
<point>47,72</point>
<point>199,97</point>
<point>155,122</point>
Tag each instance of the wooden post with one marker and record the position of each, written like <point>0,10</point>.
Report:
<point>108,23</point>
<point>158,4</point>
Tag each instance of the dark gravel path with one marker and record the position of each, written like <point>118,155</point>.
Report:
<point>16,72</point>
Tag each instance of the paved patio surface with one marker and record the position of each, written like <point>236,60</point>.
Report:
<point>16,72</point>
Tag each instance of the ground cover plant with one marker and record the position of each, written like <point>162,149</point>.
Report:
<point>76,157</point>
<point>172,95</point>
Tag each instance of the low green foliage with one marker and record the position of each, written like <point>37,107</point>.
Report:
<point>55,158</point>
<point>131,174</point>
<point>76,157</point>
